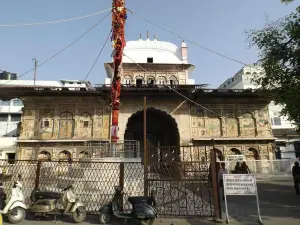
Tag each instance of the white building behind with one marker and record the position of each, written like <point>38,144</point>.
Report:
<point>288,141</point>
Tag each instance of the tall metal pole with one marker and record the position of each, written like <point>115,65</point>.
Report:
<point>35,66</point>
<point>145,149</point>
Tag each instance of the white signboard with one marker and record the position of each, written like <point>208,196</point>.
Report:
<point>239,184</point>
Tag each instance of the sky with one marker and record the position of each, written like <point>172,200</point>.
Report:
<point>215,24</point>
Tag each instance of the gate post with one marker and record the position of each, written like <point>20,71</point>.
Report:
<point>215,186</point>
<point>37,175</point>
<point>121,180</point>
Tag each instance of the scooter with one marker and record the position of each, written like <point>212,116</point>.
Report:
<point>44,203</point>
<point>15,208</point>
<point>143,208</point>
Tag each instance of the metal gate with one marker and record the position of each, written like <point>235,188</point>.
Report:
<point>183,187</point>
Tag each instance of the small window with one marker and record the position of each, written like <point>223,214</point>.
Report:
<point>46,123</point>
<point>149,60</point>
<point>15,117</point>
<point>71,83</point>
<point>85,123</point>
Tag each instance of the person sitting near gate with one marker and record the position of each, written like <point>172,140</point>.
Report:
<point>296,176</point>
<point>222,171</point>
<point>244,168</point>
<point>237,168</point>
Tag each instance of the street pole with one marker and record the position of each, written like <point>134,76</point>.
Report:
<point>145,149</point>
<point>35,66</point>
<point>215,185</point>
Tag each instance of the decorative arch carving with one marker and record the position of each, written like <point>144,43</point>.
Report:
<point>232,125</point>
<point>162,80</point>
<point>64,155</point>
<point>66,125</point>
<point>46,124</point>
<point>173,80</point>
<point>151,80</point>
<point>235,151</point>
<point>249,125</point>
<point>127,80</point>
<point>253,153</point>
<point>44,156</point>
<point>85,129</point>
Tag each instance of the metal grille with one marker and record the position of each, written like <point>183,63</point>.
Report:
<point>182,188</point>
<point>180,177</point>
<point>123,148</point>
<point>10,172</point>
<point>93,182</point>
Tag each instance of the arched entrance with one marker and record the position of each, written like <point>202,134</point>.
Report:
<point>254,154</point>
<point>64,155</point>
<point>162,132</point>
<point>44,156</point>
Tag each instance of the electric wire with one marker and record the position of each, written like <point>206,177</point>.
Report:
<point>98,55</point>
<point>172,89</point>
<point>190,41</point>
<point>62,50</point>
<point>57,21</point>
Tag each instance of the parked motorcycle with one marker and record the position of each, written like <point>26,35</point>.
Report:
<point>45,203</point>
<point>15,208</point>
<point>143,208</point>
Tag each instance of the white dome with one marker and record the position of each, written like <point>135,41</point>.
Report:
<point>160,51</point>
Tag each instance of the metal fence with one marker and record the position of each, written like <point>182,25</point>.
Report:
<point>265,168</point>
<point>93,182</point>
<point>123,148</point>
<point>11,170</point>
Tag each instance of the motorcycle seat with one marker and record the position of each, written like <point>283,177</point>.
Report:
<point>47,195</point>
<point>138,199</point>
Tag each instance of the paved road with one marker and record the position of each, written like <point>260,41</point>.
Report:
<point>278,203</point>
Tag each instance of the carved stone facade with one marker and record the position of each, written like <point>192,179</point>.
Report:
<point>54,124</point>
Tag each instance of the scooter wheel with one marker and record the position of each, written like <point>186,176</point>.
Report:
<point>105,218</point>
<point>147,222</point>
<point>17,215</point>
<point>79,215</point>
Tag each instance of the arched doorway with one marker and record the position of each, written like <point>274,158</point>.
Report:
<point>219,154</point>
<point>64,155</point>
<point>254,154</point>
<point>162,132</point>
<point>235,151</point>
<point>44,156</point>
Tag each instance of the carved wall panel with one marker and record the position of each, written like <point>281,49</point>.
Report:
<point>84,126</point>
<point>213,127</point>
<point>46,123</point>
<point>232,127</point>
<point>66,125</point>
<point>248,125</point>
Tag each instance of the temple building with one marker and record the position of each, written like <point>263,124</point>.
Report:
<point>62,121</point>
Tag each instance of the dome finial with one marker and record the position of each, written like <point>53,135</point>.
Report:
<point>140,36</point>
<point>154,36</point>
<point>147,35</point>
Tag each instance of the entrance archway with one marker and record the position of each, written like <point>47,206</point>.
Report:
<point>162,132</point>
<point>44,156</point>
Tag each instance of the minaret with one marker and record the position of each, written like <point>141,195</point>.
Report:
<point>184,52</point>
